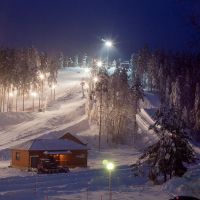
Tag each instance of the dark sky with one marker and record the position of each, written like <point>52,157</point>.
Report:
<point>76,26</point>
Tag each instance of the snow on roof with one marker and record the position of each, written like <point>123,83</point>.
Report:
<point>49,144</point>
<point>60,134</point>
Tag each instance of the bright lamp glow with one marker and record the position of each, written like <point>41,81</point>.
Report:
<point>41,76</point>
<point>110,166</point>
<point>53,86</point>
<point>95,79</point>
<point>33,94</point>
<point>99,63</point>
<point>11,94</point>
<point>108,43</point>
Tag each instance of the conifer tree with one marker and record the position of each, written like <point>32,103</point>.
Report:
<point>167,156</point>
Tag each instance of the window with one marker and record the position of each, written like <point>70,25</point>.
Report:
<point>17,156</point>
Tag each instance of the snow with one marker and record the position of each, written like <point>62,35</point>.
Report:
<point>188,185</point>
<point>49,144</point>
<point>67,114</point>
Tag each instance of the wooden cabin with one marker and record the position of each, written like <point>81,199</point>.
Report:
<point>66,152</point>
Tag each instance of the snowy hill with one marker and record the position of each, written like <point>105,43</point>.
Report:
<point>67,113</point>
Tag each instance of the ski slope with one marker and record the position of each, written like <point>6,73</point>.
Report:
<point>67,113</point>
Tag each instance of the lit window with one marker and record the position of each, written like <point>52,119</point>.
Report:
<point>17,156</point>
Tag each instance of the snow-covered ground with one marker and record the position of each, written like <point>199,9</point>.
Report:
<point>67,113</point>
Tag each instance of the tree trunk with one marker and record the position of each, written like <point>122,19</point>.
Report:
<point>23,100</point>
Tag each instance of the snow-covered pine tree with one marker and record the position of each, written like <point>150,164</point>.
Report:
<point>167,156</point>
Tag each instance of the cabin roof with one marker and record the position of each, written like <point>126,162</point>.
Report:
<point>49,144</point>
<point>60,135</point>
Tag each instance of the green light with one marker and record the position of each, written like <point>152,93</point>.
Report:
<point>110,166</point>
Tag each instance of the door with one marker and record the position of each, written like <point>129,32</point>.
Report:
<point>34,161</point>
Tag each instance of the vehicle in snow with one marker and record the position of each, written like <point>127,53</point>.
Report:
<point>49,165</point>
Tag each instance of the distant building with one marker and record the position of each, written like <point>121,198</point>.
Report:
<point>125,64</point>
<point>67,151</point>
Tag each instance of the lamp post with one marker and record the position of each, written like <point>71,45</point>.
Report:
<point>53,91</point>
<point>110,167</point>
<point>33,94</point>
<point>100,86</point>
<point>99,63</point>
<point>10,102</point>
<point>100,110</point>
<point>108,44</point>
<point>42,77</point>
<point>82,87</point>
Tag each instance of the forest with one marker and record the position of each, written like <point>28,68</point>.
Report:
<point>114,99</point>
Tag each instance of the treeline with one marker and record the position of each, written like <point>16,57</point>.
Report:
<point>113,97</point>
<point>113,102</point>
<point>23,71</point>
<point>175,76</point>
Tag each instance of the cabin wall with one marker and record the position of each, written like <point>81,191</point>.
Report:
<point>20,159</point>
<point>75,159</point>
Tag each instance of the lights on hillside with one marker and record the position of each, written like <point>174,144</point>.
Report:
<point>95,79</point>
<point>41,76</point>
<point>11,94</point>
<point>99,63</point>
<point>34,94</point>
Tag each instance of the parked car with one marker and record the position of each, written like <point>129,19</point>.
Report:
<point>49,165</point>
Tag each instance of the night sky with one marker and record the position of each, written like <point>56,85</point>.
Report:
<point>77,26</point>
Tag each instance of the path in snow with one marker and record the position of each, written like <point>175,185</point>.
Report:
<point>67,114</point>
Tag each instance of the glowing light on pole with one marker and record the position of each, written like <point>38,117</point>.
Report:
<point>95,79</point>
<point>110,167</point>
<point>11,94</point>
<point>42,77</point>
<point>53,90</point>
<point>99,63</point>
<point>108,44</point>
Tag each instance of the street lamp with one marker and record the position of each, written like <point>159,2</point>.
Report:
<point>110,167</point>
<point>99,63</point>
<point>82,87</point>
<point>53,91</point>
<point>42,77</point>
<point>95,79</point>
<point>108,44</point>
<point>33,94</point>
